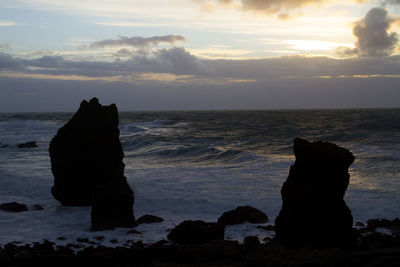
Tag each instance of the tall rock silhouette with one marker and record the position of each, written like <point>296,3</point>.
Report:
<point>313,210</point>
<point>86,161</point>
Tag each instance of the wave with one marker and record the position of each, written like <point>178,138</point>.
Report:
<point>191,153</point>
<point>154,123</point>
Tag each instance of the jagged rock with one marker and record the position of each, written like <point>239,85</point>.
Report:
<point>149,219</point>
<point>86,161</point>
<point>27,145</point>
<point>44,248</point>
<point>195,232</point>
<point>241,215</point>
<point>13,207</point>
<point>313,210</point>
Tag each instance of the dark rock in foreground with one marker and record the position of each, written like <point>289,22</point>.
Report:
<point>149,219</point>
<point>251,243</point>
<point>196,232</point>
<point>13,207</point>
<point>241,215</point>
<point>313,210</point>
<point>86,161</point>
<point>216,253</point>
<point>30,144</point>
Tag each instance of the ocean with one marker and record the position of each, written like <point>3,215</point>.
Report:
<point>196,165</point>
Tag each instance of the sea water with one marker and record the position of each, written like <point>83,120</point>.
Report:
<point>196,165</point>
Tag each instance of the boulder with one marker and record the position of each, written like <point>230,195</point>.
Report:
<point>313,209</point>
<point>196,232</point>
<point>149,219</point>
<point>27,145</point>
<point>86,162</point>
<point>241,215</point>
<point>13,207</point>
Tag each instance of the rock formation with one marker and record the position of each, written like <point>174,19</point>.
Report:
<point>196,232</point>
<point>13,207</point>
<point>313,210</point>
<point>27,145</point>
<point>149,219</point>
<point>241,215</point>
<point>86,161</point>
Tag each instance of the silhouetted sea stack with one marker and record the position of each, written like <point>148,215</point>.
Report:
<point>86,161</point>
<point>313,210</point>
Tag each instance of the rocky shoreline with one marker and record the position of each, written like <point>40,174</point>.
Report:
<point>373,248</point>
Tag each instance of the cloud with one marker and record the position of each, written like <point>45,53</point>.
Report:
<point>7,23</point>
<point>283,9</point>
<point>275,6</point>
<point>168,60</point>
<point>391,2</point>
<point>373,35</point>
<point>138,41</point>
<point>178,62</point>
<point>123,53</point>
<point>9,63</point>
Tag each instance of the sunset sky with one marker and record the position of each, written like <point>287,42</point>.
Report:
<point>199,54</point>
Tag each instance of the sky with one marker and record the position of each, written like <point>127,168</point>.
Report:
<point>199,54</point>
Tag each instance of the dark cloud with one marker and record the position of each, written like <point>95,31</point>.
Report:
<point>284,9</point>
<point>123,53</point>
<point>307,67</point>
<point>178,61</point>
<point>275,6</point>
<point>373,35</point>
<point>9,63</point>
<point>138,41</point>
<point>391,2</point>
<point>172,60</point>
